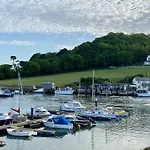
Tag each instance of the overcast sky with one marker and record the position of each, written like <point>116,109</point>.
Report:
<point>40,26</point>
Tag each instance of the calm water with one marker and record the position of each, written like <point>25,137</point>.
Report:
<point>132,133</point>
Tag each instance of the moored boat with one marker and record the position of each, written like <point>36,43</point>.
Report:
<point>39,91</point>
<point>73,106</point>
<point>5,119</point>
<point>98,115</point>
<point>64,91</point>
<point>38,112</point>
<point>145,93</point>
<point>118,113</point>
<point>6,93</point>
<point>57,122</point>
<point>20,132</point>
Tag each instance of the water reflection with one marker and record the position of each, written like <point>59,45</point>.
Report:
<point>19,138</point>
<point>59,133</point>
<point>129,133</point>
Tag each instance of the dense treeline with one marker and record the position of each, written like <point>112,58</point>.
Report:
<point>114,49</point>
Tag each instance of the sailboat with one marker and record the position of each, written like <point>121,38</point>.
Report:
<point>94,113</point>
<point>18,117</point>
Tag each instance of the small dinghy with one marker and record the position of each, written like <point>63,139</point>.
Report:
<point>20,132</point>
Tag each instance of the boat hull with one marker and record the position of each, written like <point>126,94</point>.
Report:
<point>143,95</point>
<point>57,126</point>
<point>19,133</point>
<point>5,122</point>
<point>64,92</point>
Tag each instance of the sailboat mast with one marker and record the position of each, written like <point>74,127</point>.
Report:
<point>20,84</point>
<point>93,88</point>
<point>79,89</point>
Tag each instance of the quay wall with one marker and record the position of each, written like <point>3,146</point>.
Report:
<point>87,91</point>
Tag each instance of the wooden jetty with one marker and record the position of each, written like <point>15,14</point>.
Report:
<point>43,132</point>
<point>21,124</point>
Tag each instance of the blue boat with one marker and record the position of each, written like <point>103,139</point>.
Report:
<point>6,93</point>
<point>58,122</point>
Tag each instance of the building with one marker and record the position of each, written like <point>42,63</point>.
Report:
<point>141,83</point>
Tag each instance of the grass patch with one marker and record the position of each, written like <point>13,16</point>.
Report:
<point>67,78</point>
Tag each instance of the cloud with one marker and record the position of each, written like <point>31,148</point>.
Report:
<point>18,43</point>
<point>96,17</point>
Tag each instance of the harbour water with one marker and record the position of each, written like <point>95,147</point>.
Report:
<point>131,133</point>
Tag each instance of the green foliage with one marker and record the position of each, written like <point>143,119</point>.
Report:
<point>109,75</point>
<point>128,79</point>
<point>114,49</point>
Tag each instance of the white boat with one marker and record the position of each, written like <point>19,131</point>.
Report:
<point>6,93</point>
<point>20,132</point>
<point>118,113</point>
<point>145,93</point>
<point>64,91</point>
<point>39,91</point>
<point>73,106</point>
<point>57,122</point>
<point>5,119</point>
<point>96,114</point>
<point>38,112</point>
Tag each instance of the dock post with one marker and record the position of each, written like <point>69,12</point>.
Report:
<point>32,113</point>
<point>96,103</point>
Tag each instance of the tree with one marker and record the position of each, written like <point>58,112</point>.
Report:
<point>13,58</point>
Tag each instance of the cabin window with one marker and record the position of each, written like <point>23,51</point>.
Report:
<point>49,120</point>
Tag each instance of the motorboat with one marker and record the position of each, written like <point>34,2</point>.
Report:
<point>94,113</point>
<point>64,91</point>
<point>72,106</point>
<point>39,91</point>
<point>118,113</point>
<point>5,119</point>
<point>57,122</point>
<point>98,115</point>
<point>20,132</point>
<point>6,93</point>
<point>38,112</point>
<point>145,93</point>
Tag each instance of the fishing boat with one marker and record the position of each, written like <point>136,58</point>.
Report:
<point>64,91</point>
<point>72,106</point>
<point>20,132</point>
<point>38,112</point>
<point>5,119</point>
<point>57,122</point>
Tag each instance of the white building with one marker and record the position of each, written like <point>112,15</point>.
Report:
<point>141,83</point>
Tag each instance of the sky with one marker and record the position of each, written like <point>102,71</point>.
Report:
<point>40,26</point>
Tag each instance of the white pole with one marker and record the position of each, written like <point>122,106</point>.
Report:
<point>93,88</point>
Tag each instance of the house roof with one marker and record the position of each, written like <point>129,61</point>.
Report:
<point>142,78</point>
